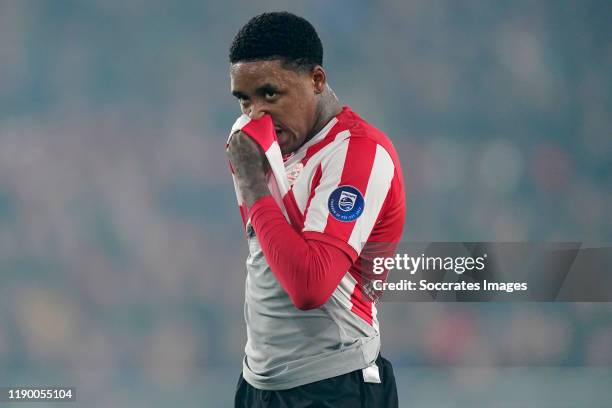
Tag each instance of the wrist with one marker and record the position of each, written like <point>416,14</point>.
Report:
<point>253,192</point>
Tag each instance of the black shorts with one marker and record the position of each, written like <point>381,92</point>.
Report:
<point>347,390</point>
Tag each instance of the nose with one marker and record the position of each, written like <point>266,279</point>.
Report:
<point>257,111</point>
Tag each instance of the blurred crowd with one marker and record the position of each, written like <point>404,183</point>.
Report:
<point>121,250</point>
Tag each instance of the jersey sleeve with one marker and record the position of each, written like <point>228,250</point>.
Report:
<point>345,205</point>
<point>308,270</point>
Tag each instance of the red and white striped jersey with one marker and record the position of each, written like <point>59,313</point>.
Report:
<point>347,185</point>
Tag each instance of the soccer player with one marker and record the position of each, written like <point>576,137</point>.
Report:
<point>312,332</point>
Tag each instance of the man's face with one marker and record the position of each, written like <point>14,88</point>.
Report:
<point>288,96</point>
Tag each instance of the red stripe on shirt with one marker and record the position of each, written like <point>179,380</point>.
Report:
<point>329,138</point>
<point>262,131</point>
<point>243,213</point>
<point>293,211</point>
<point>356,172</point>
<point>362,305</point>
<point>316,179</point>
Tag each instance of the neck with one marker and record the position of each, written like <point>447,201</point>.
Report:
<point>329,106</point>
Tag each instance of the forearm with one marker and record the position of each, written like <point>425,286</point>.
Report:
<point>249,166</point>
<point>308,270</point>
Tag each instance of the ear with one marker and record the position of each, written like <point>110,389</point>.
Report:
<point>319,79</point>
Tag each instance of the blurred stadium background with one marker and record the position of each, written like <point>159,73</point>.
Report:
<point>121,252</point>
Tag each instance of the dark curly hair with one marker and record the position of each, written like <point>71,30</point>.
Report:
<point>278,35</point>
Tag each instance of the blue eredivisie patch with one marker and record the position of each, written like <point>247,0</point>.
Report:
<point>345,203</point>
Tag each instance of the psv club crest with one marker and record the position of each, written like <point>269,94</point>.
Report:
<point>294,172</point>
<point>345,203</point>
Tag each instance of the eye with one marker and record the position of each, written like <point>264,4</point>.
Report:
<point>270,95</point>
